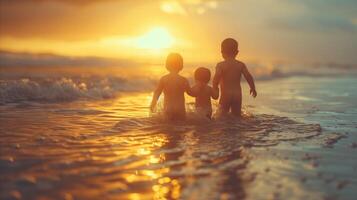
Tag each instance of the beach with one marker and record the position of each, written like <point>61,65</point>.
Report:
<point>81,116</point>
<point>296,140</point>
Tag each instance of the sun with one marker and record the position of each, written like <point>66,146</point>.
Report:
<point>157,38</point>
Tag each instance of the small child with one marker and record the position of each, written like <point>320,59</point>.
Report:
<point>203,92</point>
<point>173,86</point>
<point>228,75</point>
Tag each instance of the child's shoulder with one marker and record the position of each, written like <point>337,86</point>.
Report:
<point>165,77</point>
<point>182,77</point>
<point>174,77</point>
<point>240,62</point>
<point>226,63</point>
<point>221,63</point>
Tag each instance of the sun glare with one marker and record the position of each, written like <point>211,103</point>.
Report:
<point>156,38</point>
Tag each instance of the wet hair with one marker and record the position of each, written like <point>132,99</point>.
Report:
<point>174,62</point>
<point>229,47</point>
<point>202,74</point>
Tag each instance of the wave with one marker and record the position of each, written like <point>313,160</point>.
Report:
<point>67,89</point>
<point>38,84</point>
<point>267,72</point>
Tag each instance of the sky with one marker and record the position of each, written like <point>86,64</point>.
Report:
<point>297,31</point>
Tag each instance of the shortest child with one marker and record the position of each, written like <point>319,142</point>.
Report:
<point>203,92</point>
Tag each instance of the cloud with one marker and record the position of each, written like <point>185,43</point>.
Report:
<point>73,2</point>
<point>173,7</point>
<point>185,7</point>
<point>329,16</point>
<point>58,20</point>
<point>314,24</point>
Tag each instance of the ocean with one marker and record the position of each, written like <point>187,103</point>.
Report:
<point>66,134</point>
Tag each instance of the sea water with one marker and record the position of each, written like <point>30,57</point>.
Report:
<point>92,137</point>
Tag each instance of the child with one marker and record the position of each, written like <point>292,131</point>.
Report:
<point>203,92</point>
<point>174,86</point>
<point>228,75</point>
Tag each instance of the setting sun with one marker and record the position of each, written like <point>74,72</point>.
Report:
<point>156,38</point>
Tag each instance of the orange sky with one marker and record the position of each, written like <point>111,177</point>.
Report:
<point>267,30</point>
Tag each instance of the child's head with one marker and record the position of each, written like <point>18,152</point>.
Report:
<point>202,75</point>
<point>174,62</point>
<point>229,48</point>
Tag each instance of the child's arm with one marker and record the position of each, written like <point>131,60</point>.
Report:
<point>216,79</point>
<point>250,81</point>
<point>189,90</point>
<point>156,95</point>
<point>214,94</point>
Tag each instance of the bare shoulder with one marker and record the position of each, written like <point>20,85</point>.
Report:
<point>164,78</point>
<point>220,64</point>
<point>183,79</point>
<point>240,64</point>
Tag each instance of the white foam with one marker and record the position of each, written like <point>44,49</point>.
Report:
<point>65,89</point>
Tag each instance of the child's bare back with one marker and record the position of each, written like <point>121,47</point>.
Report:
<point>228,76</point>
<point>173,86</point>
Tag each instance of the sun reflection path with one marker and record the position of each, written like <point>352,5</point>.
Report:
<point>149,171</point>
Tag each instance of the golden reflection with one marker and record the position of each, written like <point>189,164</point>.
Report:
<point>143,151</point>
<point>132,178</point>
<point>146,170</point>
<point>154,159</point>
<point>154,174</point>
<point>151,172</point>
<point>165,188</point>
<point>134,196</point>
<point>164,180</point>
<point>176,188</point>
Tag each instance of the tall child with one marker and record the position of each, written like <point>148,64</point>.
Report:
<point>227,77</point>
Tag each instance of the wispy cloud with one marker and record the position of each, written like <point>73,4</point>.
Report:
<point>328,16</point>
<point>314,24</point>
<point>185,7</point>
<point>73,2</point>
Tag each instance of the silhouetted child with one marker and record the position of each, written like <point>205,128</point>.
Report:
<point>203,92</point>
<point>173,86</point>
<point>228,75</point>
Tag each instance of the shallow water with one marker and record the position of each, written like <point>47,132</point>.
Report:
<point>290,144</point>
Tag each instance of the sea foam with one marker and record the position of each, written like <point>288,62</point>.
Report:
<point>67,89</point>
